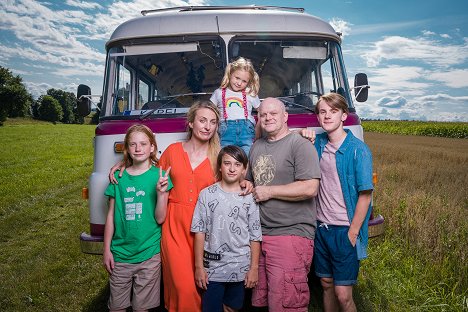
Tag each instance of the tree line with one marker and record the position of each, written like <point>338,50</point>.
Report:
<point>54,106</point>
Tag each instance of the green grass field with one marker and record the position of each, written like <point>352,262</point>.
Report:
<point>419,264</point>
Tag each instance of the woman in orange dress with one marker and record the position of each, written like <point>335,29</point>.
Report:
<point>192,170</point>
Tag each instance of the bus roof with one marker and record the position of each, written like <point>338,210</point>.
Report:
<point>223,20</point>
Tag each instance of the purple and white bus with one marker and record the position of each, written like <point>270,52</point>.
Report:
<point>158,64</point>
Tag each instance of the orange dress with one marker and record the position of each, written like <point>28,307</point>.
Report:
<point>177,257</point>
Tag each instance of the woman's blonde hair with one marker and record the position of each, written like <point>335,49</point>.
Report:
<point>145,130</point>
<point>214,144</point>
<point>253,86</point>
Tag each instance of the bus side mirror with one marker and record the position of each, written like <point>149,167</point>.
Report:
<point>361,87</point>
<point>83,96</point>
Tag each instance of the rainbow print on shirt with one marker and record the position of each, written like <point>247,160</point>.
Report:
<point>234,101</point>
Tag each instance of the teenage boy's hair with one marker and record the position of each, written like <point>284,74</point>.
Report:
<point>235,152</point>
<point>334,100</point>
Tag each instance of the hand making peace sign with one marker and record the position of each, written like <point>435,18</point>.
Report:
<point>162,184</point>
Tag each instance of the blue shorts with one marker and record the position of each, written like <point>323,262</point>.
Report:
<point>240,132</point>
<point>219,293</point>
<point>334,256</point>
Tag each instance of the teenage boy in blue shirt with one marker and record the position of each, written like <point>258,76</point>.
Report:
<point>344,204</point>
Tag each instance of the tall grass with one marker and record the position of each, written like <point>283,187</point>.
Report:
<point>419,264</point>
<point>426,128</point>
<point>44,167</point>
<point>421,261</point>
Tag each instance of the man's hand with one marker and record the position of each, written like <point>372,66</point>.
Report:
<point>247,187</point>
<point>262,193</point>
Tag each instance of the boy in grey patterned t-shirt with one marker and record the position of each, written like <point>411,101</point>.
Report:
<point>227,235</point>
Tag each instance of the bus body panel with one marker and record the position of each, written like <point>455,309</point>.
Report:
<point>157,65</point>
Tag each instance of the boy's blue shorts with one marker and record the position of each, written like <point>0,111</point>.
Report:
<point>219,293</point>
<point>334,256</point>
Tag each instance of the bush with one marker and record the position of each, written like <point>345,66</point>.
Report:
<point>49,109</point>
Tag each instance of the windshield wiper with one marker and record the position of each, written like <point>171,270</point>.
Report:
<point>283,98</point>
<point>172,98</point>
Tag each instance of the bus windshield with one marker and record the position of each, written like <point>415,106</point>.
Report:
<point>163,79</point>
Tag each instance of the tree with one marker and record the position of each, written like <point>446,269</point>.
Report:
<point>68,102</point>
<point>15,101</point>
<point>49,109</point>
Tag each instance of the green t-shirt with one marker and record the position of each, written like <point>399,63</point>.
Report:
<point>137,235</point>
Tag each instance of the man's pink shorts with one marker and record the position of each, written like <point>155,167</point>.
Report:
<point>282,274</point>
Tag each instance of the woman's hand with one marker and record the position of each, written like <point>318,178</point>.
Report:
<point>118,166</point>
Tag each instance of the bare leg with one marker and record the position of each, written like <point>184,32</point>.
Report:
<point>330,302</point>
<point>345,298</point>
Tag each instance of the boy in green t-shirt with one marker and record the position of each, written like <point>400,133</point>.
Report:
<point>137,207</point>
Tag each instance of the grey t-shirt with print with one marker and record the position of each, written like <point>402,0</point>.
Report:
<point>281,162</point>
<point>230,222</point>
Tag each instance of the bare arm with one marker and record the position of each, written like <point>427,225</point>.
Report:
<point>295,191</point>
<point>362,206</point>
<point>251,278</point>
<point>108,258</point>
<point>163,196</point>
<point>201,277</point>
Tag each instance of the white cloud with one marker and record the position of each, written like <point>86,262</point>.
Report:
<point>341,26</point>
<point>428,33</point>
<point>446,36</point>
<point>83,4</point>
<point>435,107</point>
<point>392,102</point>
<point>58,41</point>
<point>456,78</point>
<point>406,79</point>
<point>37,89</point>
<point>397,48</point>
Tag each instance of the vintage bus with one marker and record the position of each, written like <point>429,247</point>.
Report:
<point>158,64</point>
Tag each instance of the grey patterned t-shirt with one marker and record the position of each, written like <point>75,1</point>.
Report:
<point>230,222</point>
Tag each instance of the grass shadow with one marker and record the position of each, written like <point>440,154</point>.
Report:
<point>99,303</point>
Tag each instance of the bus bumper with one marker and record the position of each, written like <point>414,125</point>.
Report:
<point>91,244</point>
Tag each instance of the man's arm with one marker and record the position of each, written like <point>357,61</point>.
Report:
<point>362,206</point>
<point>295,191</point>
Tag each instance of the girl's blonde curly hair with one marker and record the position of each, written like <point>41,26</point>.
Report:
<point>253,86</point>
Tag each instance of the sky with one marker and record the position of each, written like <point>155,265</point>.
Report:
<point>415,52</point>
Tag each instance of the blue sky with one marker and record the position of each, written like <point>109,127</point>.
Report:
<point>414,52</point>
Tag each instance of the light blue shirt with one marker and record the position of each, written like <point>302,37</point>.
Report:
<point>354,166</point>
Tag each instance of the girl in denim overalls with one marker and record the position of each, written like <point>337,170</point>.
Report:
<point>235,99</point>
